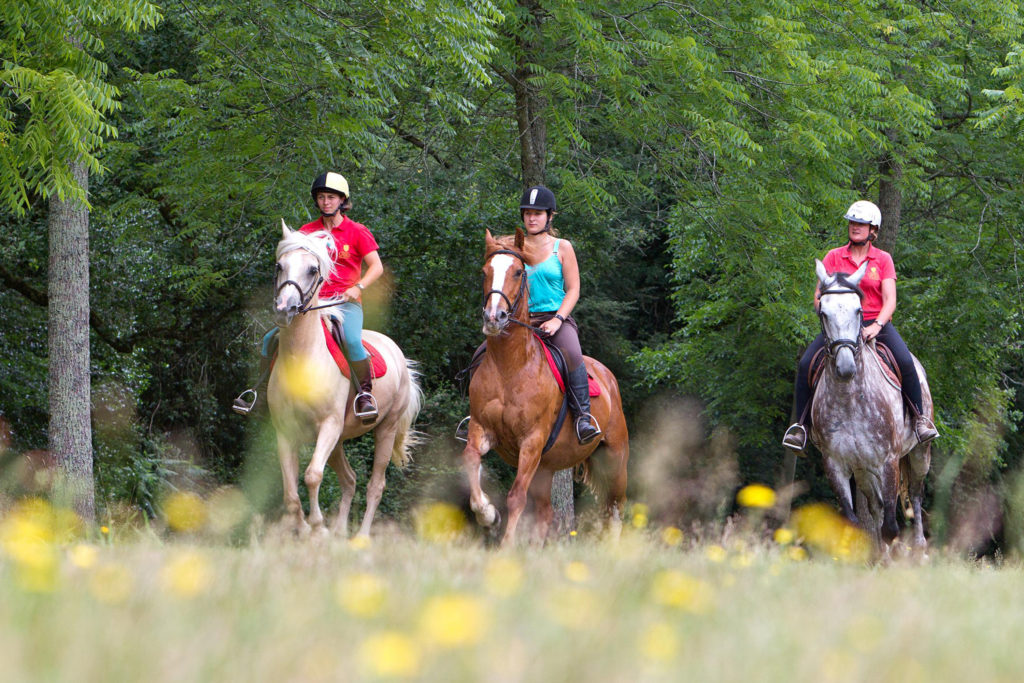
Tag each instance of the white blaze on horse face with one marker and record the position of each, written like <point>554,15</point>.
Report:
<point>500,265</point>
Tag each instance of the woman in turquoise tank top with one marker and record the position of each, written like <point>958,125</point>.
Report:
<point>554,278</point>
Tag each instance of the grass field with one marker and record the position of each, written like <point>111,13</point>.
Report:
<point>429,604</point>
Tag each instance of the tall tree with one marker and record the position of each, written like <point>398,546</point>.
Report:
<point>53,110</point>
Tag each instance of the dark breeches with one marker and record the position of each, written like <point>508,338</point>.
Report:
<point>911,382</point>
<point>802,394</point>
<point>567,339</point>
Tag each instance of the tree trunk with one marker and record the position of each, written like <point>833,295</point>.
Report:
<point>530,105</point>
<point>70,427</point>
<point>890,200</point>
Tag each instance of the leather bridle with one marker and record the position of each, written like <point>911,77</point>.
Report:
<point>834,345</point>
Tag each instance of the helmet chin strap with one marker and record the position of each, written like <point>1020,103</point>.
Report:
<point>329,215</point>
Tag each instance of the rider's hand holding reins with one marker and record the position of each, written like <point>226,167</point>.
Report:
<point>549,327</point>
<point>871,331</point>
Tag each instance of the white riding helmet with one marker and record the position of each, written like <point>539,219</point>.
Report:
<point>864,211</point>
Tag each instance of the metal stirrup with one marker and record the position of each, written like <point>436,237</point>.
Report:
<point>593,423</point>
<point>802,433</point>
<point>373,413</point>
<point>462,431</point>
<point>241,405</point>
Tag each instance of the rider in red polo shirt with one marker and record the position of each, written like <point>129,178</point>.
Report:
<point>877,306</point>
<point>355,246</point>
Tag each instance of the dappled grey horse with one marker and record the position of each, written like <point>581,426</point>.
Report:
<point>860,423</point>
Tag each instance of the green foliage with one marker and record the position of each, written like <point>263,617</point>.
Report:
<point>55,98</point>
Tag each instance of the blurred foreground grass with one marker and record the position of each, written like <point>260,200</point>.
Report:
<point>430,604</point>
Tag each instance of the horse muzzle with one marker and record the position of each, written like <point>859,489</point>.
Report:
<point>495,322</point>
<point>846,363</point>
<point>284,313</point>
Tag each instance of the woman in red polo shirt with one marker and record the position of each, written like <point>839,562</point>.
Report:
<point>355,246</point>
<point>877,306</point>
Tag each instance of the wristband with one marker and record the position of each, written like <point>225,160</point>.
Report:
<point>360,285</point>
<point>560,318</point>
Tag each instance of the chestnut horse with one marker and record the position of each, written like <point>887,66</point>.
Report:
<point>309,396</point>
<point>860,423</point>
<point>514,401</point>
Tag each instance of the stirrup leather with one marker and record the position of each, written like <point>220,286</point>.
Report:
<point>462,431</point>
<point>593,423</point>
<point>365,415</point>
<point>799,432</point>
<point>242,405</point>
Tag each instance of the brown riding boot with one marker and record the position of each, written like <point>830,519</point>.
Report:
<point>925,429</point>
<point>364,406</point>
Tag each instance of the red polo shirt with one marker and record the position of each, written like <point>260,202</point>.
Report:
<point>353,241</point>
<point>880,267</point>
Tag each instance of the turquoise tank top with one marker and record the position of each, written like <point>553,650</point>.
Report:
<point>547,286</point>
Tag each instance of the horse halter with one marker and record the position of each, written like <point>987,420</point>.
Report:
<point>513,306</point>
<point>305,297</point>
<point>834,345</point>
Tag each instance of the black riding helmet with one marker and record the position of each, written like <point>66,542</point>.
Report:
<point>540,198</point>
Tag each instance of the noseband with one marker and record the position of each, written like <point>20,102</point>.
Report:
<point>305,297</point>
<point>513,306</point>
<point>834,345</point>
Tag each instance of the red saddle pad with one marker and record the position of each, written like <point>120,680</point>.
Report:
<point>378,365</point>
<point>592,385</point>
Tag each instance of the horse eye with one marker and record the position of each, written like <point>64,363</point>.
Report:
<point>278,268</point>
<point>313,270</point>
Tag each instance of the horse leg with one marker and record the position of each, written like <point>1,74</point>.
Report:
<point>477,444</point>
<point>890,528</point>
<point>288,455</point>
<point>347,482</point>
<point>540,493</point>
<point>529,460</point>
<point>383,442</point>
<point>920,459</point>
<point>615,498</point>
<point>840,481</point>
<point>330,432</point>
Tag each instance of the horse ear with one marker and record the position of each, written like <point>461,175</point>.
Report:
<point>285,231</point>
<point>819,268</point>
<point>859,273</point>
<point>520,238</point>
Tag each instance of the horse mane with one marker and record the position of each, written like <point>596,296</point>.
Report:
<point>320,244</point>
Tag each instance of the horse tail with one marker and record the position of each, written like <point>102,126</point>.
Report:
<point>407,437</point>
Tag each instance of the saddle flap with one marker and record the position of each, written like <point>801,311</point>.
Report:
<point>378,364</point>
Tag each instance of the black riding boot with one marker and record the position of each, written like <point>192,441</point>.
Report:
<point>586,426</point>
<point>364,406</point>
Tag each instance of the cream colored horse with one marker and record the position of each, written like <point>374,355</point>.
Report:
<point>310,399</point>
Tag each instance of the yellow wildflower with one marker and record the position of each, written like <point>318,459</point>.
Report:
<point>439,522</point>
<point>783,536</point>
<point>83,555</point>
<point>676,589</point>
<point>716,553</point>
<point>756,496</point>
<point>577,572</point>
<point>659,642</point>
<point>671,536</point>
<point>185,511</point>
<point>187,575</point>
<point>454,620</point>
<point>390,653</point>
<point>362,595</point>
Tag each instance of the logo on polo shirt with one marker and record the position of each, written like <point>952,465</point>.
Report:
<point>874,271</point>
